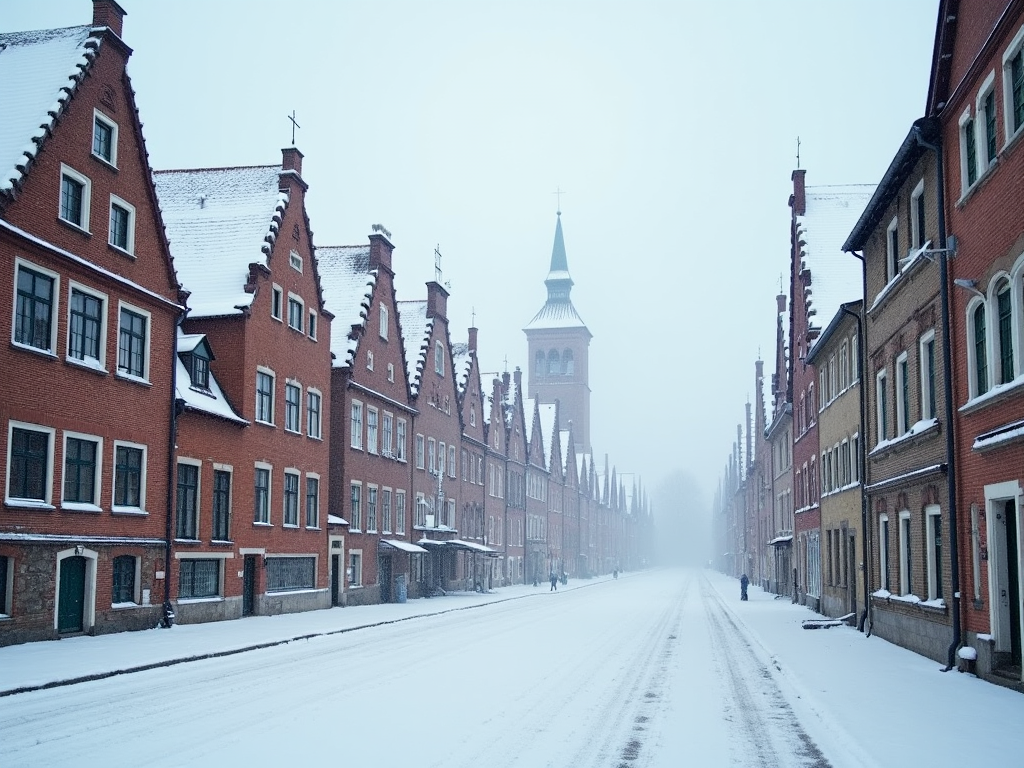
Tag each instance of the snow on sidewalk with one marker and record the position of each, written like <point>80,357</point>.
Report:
<point>47,663</point>
<point>898,706</point>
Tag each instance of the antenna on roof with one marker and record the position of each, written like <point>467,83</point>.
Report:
<point>798,153</point>
<point>294,125</point>
<point>437,263</point>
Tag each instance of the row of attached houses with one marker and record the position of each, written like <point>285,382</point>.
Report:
<point>885,481</point>
<point>205,416</point>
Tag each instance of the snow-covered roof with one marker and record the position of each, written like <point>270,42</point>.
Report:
<point>548,413</point>
<point>210,400</point>
<point>39,72</point>
<point>831,212</point>
<point>566,446</point>
<point>462,362</point>
<point>416,330</point>
<point>347,282</point>
<point>511,393</point>
<point>403,546</point>
<point>556,314</point>
<point>219,221</point>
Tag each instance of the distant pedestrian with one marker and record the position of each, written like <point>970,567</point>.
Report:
<point>615,573</point>
<point>744,583</point>
<point>554,582</point>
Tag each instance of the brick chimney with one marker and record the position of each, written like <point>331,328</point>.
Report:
<point>107,13</point>
<point>381,249</point>
<point>798,200</point>
<point>517,377</point>
<point>781,302</point>
<point>437,300</point>
<point>291,160</point>
<point>472,340</point>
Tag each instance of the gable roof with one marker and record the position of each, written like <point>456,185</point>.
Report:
<point>830,214</point>
<point>462,362</point>
<point>416,331</point>
<point>39,73</point>
<point>219,221</point>
<point>210,400</point>
<point>348,284</point>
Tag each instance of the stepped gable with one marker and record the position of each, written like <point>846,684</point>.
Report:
<point>348,285</point>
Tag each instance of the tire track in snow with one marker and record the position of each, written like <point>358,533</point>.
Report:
<point>768,732</point>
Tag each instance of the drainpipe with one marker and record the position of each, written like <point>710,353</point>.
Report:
<point>861,461</point>
<point>177,406</point>
<point>947,383</point>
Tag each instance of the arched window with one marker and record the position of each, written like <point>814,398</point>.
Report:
<point>978,351</point>
<point>1004,331</point>
<point>568,364</point>
<point>540,366</point>
<point>554,363</point>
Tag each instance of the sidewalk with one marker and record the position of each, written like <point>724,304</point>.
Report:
<point>46,664</point>
<point>884,705</point>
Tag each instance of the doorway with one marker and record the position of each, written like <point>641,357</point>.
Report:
<point>71,600</point>
<point>852,571</point>
<point>384,577</point>
<point>249,585</point>
<point>1004,580</point>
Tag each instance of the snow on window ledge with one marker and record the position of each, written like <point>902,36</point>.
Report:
<point>919,429</point>
<point>996,393</point>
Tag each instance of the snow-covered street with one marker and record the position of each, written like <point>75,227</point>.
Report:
<point>662,668</point>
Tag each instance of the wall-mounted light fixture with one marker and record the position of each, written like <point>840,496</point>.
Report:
<point>971,286</point>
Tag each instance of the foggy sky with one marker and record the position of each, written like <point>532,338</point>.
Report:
<point>671,127</point>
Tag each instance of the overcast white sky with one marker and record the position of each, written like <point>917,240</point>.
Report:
<point>671,127</point>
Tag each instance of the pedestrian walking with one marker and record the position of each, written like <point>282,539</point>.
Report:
<point>744,582</point>
<point>554,582</point>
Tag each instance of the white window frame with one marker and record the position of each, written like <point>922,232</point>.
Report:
<point>86,182</point>
<point>305,506</point>
<point>101,363</point>
<point>109,123</point>
<point>47,501</point>
<point>855,458</point>
<point>926,373</point>
<point>854,359</point>
<point>981,143</point>
<point>451,462</point>
<point>296,387</point>
<point>20,263</point>
<point>1015,46</point>
<point>917,234</point>
<point>129,247</point>
<point>372,503</point>
<point>400,511</point>
<point>296,301</point>
<point>372,429</point>
<point>97,472</point>
<point>127,509</point>
<point>311,329</point>
<point>401,427</point>
<point>295,261</point>
<point>967,124</point>
<point>905,534</point>
<point>892,254</point>
<point>369,359</point>
<point>144,378</point>
<point>902,406</point>
<point>269,468</point>
<point>973,387</point>
<point>199,497</point>
<point>421,451</point>
<point>933,516</point>
<point>355,513</point>
<point>881,403</point>
<point>314,419</point>
<point>994,340</point>
<point>354,569</point>
<point>387,436</point>
<point>391,373</point>
<point>884,580</point>
<point>300,498</point>
<point>383,322</point>
<point>438,358</point>
<point>355,430</point>
<point>277,302</point>
<point>273,393</point>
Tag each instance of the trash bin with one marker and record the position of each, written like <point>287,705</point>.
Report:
<point>401,590</point>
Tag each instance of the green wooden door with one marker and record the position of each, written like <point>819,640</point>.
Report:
<point>72,594</point>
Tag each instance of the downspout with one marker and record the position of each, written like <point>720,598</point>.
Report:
<point>861,460</point>
<point>947,383</point>
<point>167,619</point>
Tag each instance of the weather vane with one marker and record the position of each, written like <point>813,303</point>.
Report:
<point>437,263</point>
<point>294,125</point>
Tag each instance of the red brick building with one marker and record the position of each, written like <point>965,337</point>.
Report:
<point>251,480</point>
<point>88,274</point>
<point>977,94</point>
<point>506,470</point>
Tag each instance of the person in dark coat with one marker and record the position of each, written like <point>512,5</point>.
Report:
<point>744,582</point>
<point>554,582</point>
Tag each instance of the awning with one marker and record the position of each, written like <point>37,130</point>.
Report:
<point>779,541</point>
<point>472,546</point>
<point>335,520</point>
<point>403,546</point>
<point>431,543</point>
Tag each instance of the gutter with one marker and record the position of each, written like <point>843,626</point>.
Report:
<point>947,383</point>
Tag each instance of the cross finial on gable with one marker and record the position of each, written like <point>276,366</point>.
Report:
<point>294,125</point>
<point>558,191</point>
<point>798,152</point>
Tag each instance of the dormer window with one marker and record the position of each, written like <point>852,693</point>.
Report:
<point>200,371</point>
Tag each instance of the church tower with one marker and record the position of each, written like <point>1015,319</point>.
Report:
<point>559,344</point>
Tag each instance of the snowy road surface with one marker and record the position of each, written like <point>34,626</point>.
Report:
<point>663,668</point>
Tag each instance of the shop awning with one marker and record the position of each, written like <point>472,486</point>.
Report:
<point>472,546</point>
<point>779,541</point>
<point>403,546</point>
